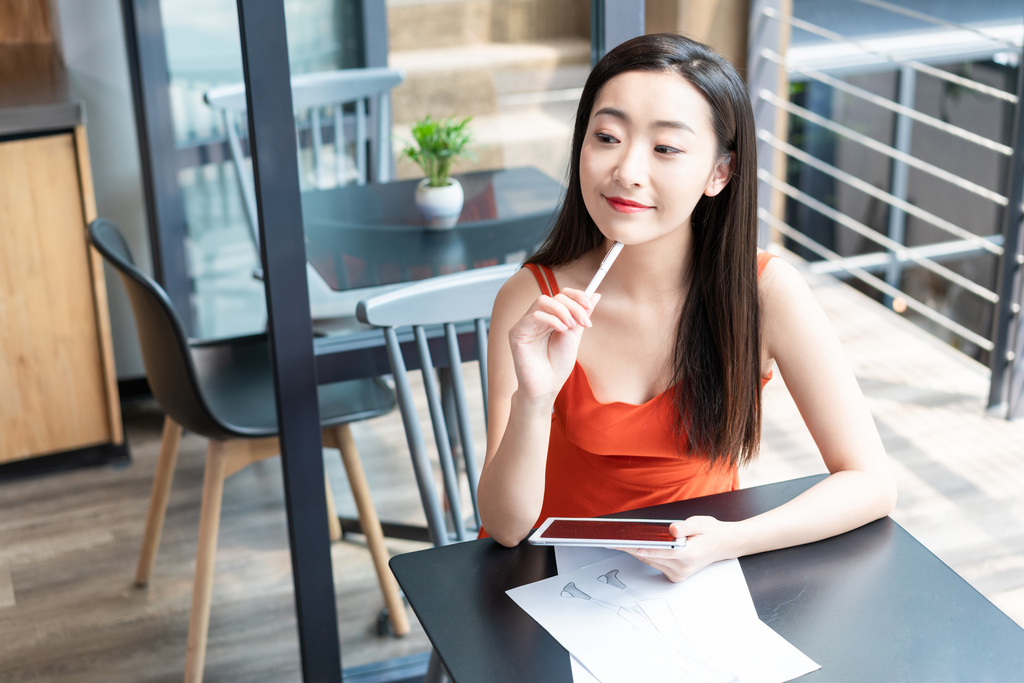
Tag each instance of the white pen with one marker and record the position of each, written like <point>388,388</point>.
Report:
<point>602,270</point>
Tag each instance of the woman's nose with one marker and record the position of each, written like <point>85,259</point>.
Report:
<point>631,169</point>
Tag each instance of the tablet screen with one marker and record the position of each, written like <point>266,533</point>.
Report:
<point>598,529</point>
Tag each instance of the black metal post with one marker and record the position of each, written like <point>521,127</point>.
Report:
<point>1003,359</point>
<point>283,254</point>
<point>375,32</point>
<point>165,210</point>
<point>374,25</point>
<point>1015,390</point>
<point>613,22</point>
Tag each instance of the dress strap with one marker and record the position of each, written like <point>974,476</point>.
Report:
<point>762,260</point>
<point>545,279</point>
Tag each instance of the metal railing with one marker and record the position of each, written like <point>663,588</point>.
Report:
<point>771,24</point>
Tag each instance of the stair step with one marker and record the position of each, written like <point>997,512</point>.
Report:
<point>415,24</point>
<point>550,51</point>
<point>469,79</point>
<point>540,97</point>
<point>529,80</point>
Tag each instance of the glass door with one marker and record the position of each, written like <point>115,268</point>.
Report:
<point>203,52</point>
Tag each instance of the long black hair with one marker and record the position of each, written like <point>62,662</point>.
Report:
<point>717,360</point>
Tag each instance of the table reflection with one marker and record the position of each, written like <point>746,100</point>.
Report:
<point>364,236</point>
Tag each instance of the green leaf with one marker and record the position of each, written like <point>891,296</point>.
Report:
<point>438,143</point>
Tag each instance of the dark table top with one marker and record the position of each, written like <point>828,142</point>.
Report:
<point>869,605</point>
<point>362,236</point>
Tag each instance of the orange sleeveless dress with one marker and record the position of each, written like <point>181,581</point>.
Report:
<point>605,458</point>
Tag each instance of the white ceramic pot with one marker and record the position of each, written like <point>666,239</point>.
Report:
<point>440,206</point>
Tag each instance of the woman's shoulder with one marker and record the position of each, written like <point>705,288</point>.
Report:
<point>523,283</point>
<point>521,290</point>
<point>777,277</point>
<point>785,298</point>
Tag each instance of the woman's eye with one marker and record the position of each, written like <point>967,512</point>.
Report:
<point>604,137</point>
<point>665,149</point>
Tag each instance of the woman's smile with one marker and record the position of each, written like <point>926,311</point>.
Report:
<point>623,205</point>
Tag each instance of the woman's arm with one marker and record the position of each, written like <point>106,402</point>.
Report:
<point>860,488</point>
<point>531,351</point>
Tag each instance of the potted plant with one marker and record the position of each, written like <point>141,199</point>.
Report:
<point>438,143</point>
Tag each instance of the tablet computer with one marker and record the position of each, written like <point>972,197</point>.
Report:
<point>606,532</point>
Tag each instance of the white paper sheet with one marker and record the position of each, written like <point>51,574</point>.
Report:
<point>567,559</point>
<point>570,558</point>
<point>734,596</point>
<point>623,621</point>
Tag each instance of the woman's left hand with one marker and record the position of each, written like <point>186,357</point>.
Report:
<point>707,541</point>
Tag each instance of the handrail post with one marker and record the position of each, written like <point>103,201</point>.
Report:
<point>1007,387</point>
<point>900,176</point>
<point>762,74</point>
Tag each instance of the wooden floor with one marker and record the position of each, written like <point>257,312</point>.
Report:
<point>68,543</point>
<point>69,612</point>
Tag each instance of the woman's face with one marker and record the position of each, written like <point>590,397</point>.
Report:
<point>648,156</point>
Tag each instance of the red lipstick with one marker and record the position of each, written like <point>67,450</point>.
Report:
<point>623,205</point>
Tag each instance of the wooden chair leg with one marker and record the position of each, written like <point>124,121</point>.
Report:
<point>202,587</point>
<point>371,528</point>
<point>333,523</point>
<point>169,443</point>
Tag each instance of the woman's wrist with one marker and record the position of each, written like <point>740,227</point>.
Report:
<point>740,538</point>
<point>533,406</point>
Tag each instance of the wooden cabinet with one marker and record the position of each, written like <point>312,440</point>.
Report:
<point>58,388</point>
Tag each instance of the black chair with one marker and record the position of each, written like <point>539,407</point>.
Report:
<point>224,391</point>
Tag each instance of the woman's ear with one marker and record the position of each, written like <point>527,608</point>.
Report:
<point>722,173</point>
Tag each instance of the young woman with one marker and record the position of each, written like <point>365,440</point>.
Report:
<point>650,391</point>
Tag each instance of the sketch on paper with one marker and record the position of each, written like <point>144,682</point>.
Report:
<point>654,620</point>
<point>623,621</point>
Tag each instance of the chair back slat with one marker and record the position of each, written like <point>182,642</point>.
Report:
<point>241,172</point>
<point>462,413</point>
<point>384,114</point>
<point>361,140</point>
<point>414,436</point>
<point>340,163</point>
<point>317,135</point>
<point>441,437</point>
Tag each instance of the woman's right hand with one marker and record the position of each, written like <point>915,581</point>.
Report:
<point>524,378</point>
<point>545,340</point>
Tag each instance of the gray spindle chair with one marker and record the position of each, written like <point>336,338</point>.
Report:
<point>317,95</point>
<point>455,303</point>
